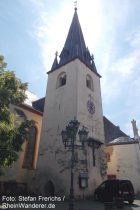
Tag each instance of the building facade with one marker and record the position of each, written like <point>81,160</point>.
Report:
<point>123,160</point>
<point>18,176</point>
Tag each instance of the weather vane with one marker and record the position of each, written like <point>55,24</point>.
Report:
<point>75,5</point>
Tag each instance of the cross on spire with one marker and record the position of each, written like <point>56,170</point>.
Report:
<point>75,5</point>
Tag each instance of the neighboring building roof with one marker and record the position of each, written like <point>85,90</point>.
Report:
<point>30,109</point>
<point>111,131</point>
<point>123,140</point>
<point>39,104</point>
<point>75,47</point>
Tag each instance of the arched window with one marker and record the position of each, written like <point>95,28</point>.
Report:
<point>30,149</point>
<point>21,114</point>
<point>61,80</point>
<point>89,82</point>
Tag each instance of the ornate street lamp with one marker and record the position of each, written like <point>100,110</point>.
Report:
<point>69,139</point>
<point>83,135</point>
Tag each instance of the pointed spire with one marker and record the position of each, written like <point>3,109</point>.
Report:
<point>55,63</point>
<point>75,43</point>
<point>75,46</point>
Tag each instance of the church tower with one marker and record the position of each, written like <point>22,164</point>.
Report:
<point>73,90</point>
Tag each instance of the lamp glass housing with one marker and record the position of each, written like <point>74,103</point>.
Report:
<point>83,134</point>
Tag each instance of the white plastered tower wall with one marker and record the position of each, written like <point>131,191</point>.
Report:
<point>94,123</point>
<point>62,105</point>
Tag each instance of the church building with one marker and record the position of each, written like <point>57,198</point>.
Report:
<point>73,93</point>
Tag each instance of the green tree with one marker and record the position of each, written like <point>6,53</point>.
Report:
<point>12,134</point>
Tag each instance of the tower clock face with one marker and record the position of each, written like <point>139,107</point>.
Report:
<point>90,107</point>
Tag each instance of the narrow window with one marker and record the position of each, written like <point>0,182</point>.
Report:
<point>30,149</point>
<point>89,82</point>
<point>61,80</point>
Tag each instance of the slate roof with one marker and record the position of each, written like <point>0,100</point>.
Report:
<point>75,47</point>
<point>112,131</point>
<point>30,109</point>
<point>123,140</point>
<point>39,104</point>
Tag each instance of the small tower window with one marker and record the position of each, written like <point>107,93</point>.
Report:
<point>61,81</point>
<point>89,82</point>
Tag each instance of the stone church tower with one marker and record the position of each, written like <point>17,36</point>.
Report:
<point>73,90</point>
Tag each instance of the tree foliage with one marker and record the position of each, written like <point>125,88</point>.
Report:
<point>12,135</point>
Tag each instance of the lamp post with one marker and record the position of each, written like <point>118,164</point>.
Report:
<point>69,138</point>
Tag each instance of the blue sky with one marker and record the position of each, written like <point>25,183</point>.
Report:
<point>32,30</point>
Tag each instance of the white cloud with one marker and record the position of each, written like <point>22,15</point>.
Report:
<point>134,38</point>
<point>130,60</point>
<point>30,98</point>
<point>48,33</point>
<point>120,70</point>
<point>126,65</point>
<point>119,66</point>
